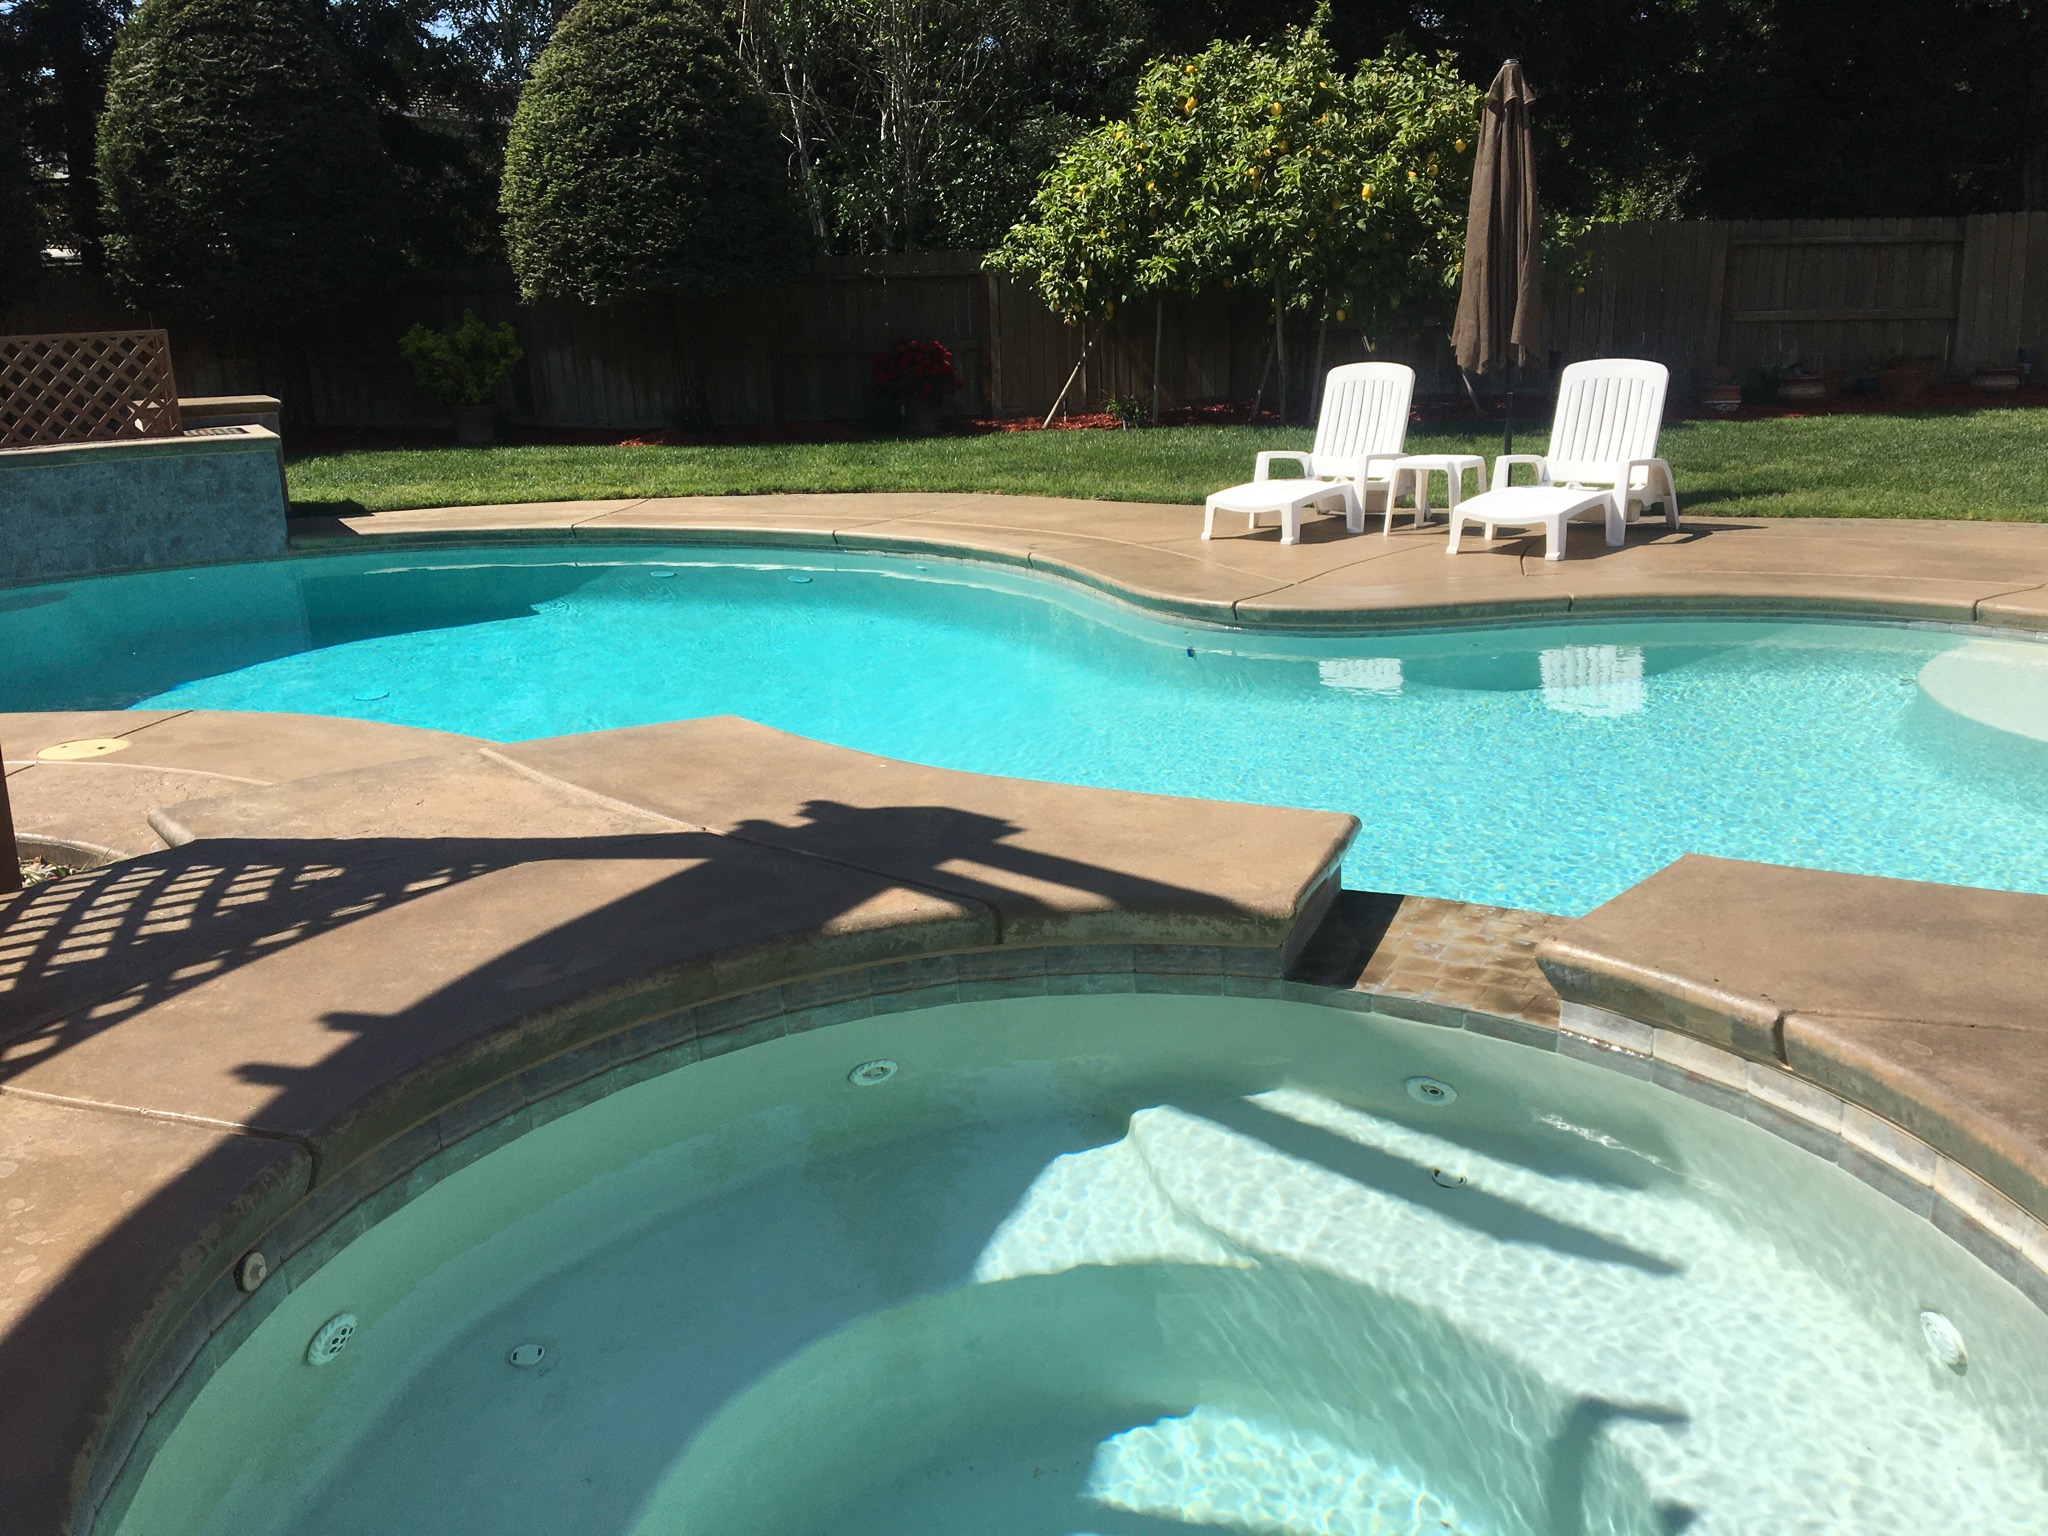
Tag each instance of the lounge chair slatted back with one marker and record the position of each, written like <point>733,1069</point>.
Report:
<point>1604,435</point>
<point>1609,411</point>
<point>1364,413</point>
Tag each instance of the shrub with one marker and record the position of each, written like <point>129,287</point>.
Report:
<point>915,370</point>
<point>643,161</point>
<point>463,365</point>
<point>240,166</point>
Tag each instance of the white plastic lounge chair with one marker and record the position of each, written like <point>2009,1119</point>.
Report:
<point>1359,434</point>
<point>1603,437</point>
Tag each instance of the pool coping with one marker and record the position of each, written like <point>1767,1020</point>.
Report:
<point>1150,558</point>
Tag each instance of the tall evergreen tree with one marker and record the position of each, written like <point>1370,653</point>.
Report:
<point>240,164</point>
<point>642,160</point>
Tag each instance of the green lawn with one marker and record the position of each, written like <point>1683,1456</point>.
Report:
<point>1948,464</point>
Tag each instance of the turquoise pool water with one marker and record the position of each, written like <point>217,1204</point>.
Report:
<point>1130,1266</point>
<point>1533,767</point>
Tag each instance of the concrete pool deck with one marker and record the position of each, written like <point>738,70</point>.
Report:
<point>333,960</point>
<point>1153,557</point>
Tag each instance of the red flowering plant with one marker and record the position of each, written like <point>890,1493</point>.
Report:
<point>915,370</point>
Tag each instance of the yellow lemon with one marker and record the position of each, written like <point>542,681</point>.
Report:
<point>1365,193</point>
<point>1459,144</point>
<point>1188,105</point>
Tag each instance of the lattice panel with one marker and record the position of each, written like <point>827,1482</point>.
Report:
<point>86,387</point>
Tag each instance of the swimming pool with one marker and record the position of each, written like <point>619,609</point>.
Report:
<point>1541,767</point>
<point>1129,1266</point>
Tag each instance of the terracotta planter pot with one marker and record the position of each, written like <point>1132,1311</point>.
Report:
<point>921,417</point>
<point>1903,383</point>
<point>475,424</point>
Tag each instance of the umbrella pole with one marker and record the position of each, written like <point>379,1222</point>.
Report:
<point>1507,435</point>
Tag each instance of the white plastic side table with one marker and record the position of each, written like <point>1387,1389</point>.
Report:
<point>1419,467</point>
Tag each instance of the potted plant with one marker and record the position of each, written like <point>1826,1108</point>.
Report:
<point>917,375</point>
<point>1901,379</point>
<point>461,368</point>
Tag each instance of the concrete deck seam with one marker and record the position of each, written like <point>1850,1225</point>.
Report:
<point>1977,607</point>
<point>613,803</point>
<point>100,765</point>
<point>903,882</point>
<point>135,1112</point>
<point>596,797</point>
<point>625,506</point>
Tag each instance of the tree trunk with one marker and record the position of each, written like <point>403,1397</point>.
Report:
<point>1079,363</point>
<point>1315,380</point>
<point>1259,394</point>
<point>1158,335</point>
<point>1279,353</point>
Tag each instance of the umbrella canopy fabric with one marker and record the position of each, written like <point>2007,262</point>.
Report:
<point>1500,297</point>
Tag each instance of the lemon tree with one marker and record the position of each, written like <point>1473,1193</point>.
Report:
<point>1267,167</point>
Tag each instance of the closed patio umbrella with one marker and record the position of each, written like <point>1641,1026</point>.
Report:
<point>1500,296</point>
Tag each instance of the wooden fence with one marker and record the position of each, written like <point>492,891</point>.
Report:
<point>1697,294</point>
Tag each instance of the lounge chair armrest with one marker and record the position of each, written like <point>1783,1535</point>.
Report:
<point>1379,466</point>
<point>1507,461</point>
<point>1305,459</point>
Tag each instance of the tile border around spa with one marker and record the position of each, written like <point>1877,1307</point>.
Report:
<point>1966,1209</point>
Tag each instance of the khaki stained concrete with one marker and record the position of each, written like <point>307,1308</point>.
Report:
<point>1926,1005</point>
<point>1151,556</point>
<point>111,1226</point>
<point>197,1039</point>
<point>96,809</point>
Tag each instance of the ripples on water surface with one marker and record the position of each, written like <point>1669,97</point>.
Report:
<point>1137,1266</point>
<point>1534,767</point>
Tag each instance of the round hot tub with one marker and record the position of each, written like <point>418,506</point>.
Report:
<point>1124,1265</point>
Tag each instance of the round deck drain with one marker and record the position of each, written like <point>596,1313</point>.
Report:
<point>1944,1341</point>
<point>1428,1090</point>
<point>801,580</point>
<point>527,1354</point>
<point>869,1073</point>
<point>332,1338</point>
<point>76,751</point>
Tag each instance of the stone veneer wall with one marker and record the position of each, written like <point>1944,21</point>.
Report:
<point>1964,1207</point>
<point>80,509</point>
